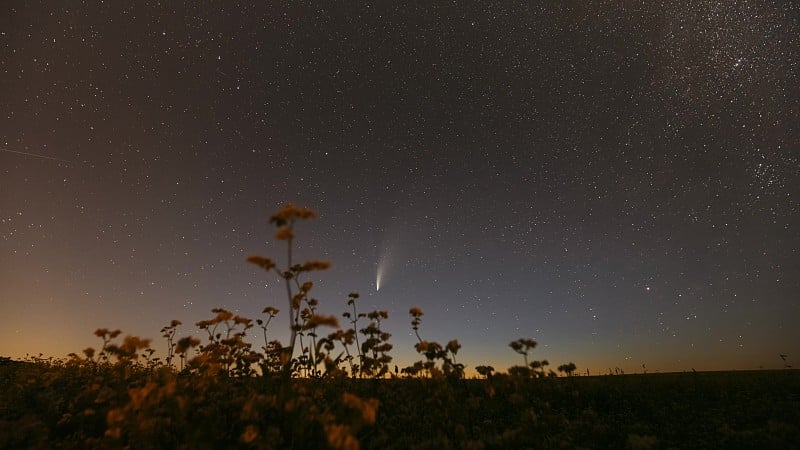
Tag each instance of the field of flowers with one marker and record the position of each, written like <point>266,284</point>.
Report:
<point>337,390</point>
<point>47,404</point>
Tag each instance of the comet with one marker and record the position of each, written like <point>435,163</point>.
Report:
<point>387,255</point>
<point>384,265</point>
<point>379,275</point>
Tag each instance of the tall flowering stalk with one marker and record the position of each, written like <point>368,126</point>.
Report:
<point>296,292</point>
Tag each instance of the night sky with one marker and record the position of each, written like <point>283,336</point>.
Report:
<point>618,180</point>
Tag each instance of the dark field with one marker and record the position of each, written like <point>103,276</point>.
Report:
<point>70,405</point>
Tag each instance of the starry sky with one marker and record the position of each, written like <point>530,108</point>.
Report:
<point>618,180</point>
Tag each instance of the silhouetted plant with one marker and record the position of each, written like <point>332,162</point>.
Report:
<point>434,351</point>
<point>520,371</point>
<point>168,333</point>
<point>543,363</point>
<point>540,365</point>
<point>226,350</point>
<point>127,351</point>
<point>346,338</point>
<point>486,371</point>
<point>312,355</point>
<point>353,319</point>
<point>271,313</point>
<point>182,347</point>
<point>523,346</point>
<point>107,336</point>
<point>375,348</point>
<point>296,292</point>
<point>568,368</point>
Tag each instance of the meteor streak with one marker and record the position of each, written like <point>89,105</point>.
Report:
<point>36,155</point>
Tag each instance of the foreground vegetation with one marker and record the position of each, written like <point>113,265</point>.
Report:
<point>65,405</point>
<point>337,389</point>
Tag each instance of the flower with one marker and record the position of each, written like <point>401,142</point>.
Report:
<point>250,434</point>
<point>453,346</point>
<point>368,408</point>
<point>184,344</point>
<point>271,310</point>
<point>289,212</point>
<point>316,320</point>
<point>340,437</point>
<point>239,320</point>
<point>131,344</point>
<point>315,265</point>
<point>264,263</point>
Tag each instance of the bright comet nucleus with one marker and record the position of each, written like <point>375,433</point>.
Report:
<point>380,273</point>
